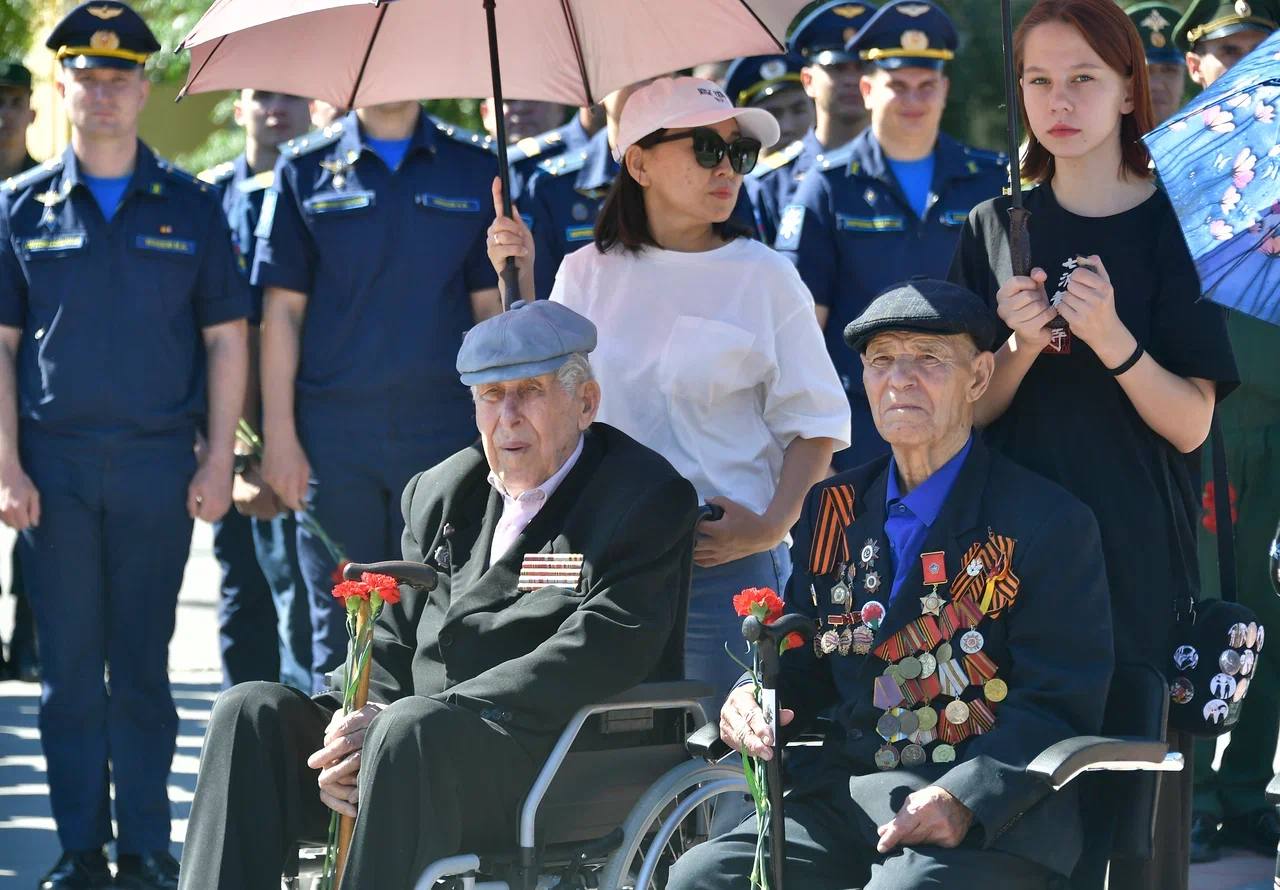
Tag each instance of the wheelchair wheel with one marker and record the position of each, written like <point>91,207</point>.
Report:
<point>677,813</point>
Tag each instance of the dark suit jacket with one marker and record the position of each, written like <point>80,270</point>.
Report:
<point>527,661</point>
<point>1053,647</point>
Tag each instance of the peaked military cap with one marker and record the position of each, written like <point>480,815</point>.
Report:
<point>102,34</point>
<point>926,305</point>
<point>907,34</point>
<point>1155,23</point>
<point>527,340</point>
<point>1211,19</point>
<point>14,74</point>
<point>820,37</point>
<point>752,78</point>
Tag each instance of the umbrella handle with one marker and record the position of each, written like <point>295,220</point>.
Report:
<point>1020,240</point>
<point>510,277</point>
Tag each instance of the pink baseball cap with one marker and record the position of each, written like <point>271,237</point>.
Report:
<point>675,102</point>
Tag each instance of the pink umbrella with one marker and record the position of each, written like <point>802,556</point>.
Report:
<point>354,53</point>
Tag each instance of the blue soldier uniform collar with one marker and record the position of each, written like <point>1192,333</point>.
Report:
<point>951,159</point>
<point>351,143</point>
<point>599,169</point>
<point>147,179</point>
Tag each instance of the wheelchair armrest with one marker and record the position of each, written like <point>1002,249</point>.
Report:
<point>1060,763</point>
<point>1273,790</point>
<point>705,742</point>
<point>673,694</point>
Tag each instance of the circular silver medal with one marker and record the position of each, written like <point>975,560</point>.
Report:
<point>913,755</point>
<point>888,727</point>
<point>1229,662</point>
<point>928,665</point>
<point>887,757</point>
<point>971,642</point>
<point>1236,634</point>
<point>943,653</point>
<point>909,722</point>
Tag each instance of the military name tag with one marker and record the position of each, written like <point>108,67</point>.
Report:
<point>549,569</point>
<point>54,243</point>
<point>869,223</point>
<point>443,202</point>
<point>338,203</point>
<point>166,245</point>
<point>577,234</point>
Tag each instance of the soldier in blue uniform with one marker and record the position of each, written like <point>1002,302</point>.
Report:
<point>830,76</point>
<point>774,84</point>
<point>16,115</point>
<point>891,203</point>
<point>371,253</point>
<point>563,198</point>
<point>121,306</point>
<point>525,155</point>
<point>264,619</point>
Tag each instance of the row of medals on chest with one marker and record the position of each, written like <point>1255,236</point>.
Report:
<point>852,633</point>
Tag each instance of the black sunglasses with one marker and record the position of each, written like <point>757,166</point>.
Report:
<point>709,149</point>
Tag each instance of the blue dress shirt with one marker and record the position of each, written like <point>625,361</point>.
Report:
<point>909,517</point>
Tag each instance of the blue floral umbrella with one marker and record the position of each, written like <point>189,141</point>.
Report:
<point>1219,161</point>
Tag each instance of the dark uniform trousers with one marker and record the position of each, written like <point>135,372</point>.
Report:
<point>104,567</point>
<point>481,676</point>
<point>246,613</point>
<point>256,796</point>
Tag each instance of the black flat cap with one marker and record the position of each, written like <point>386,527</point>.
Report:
<point>925,305</point>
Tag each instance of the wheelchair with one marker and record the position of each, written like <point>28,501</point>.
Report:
<point>627,788</point>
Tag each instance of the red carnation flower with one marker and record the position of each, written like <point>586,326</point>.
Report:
<point>387,588</point>
<point>345,590</point>
<point>792,640</point>
<point>760,602</point>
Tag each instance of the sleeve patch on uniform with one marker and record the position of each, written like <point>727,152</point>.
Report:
<point>268,214</point>
<point>443,202</point>
<point>790,226</point>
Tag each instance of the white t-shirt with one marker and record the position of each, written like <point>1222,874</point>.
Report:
<point>714,360</point>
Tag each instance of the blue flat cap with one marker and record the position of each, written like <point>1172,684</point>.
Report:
<point>926,305</point>
<point>750,79</point>
<point>525,341</point>
<point>102,34</point>
<point>907,34</point>
<point>819,37</point>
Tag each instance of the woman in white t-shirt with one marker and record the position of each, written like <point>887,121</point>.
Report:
<point>709,350</point>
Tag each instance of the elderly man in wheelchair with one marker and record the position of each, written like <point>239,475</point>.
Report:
<point>563,550</point>
<point>963,627</point>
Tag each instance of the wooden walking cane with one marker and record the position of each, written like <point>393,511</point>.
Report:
<point>347,824</point>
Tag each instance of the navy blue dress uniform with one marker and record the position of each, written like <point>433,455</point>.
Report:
<point>111,391</point>
<point>940,656</point>
<point>525,156</point>
<point>480,675</point>
<point>851,230</point>
<point>564,198</point>
<point>264,619</point>
<point>817,39</point>
<point>388,260</point>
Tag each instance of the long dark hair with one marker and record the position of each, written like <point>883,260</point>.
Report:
<point>623,220</point>
<point>1110,34</point>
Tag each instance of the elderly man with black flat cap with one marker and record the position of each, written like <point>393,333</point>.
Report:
<point>945,582</point>
<point>564,548</point>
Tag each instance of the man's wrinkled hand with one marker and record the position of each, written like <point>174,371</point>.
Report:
<point>743,727</point>
<point>339,759</point>
<point>929,816</point>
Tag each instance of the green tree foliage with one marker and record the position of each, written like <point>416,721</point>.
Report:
<point>15,27</point>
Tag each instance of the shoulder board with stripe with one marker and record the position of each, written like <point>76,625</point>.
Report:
<point>836,159</point>
<point>777,159</point>
<point>982,156</point>
<point>180,175</point>
<point>217,174</point>
<point>263,180</point>
<point>36,174</point>
<point>482,141</point>
<point>533,146</point>
<point>313,140</point>
<point>565,163</point>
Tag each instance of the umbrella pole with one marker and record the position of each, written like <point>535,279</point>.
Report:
<point>1019,216</point>
<point>510,278</point>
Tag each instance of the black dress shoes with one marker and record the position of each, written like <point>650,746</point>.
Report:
<point>1258,831</point>
<point>148,871</point>
<point>80,870</point>
<point>1204,838</point>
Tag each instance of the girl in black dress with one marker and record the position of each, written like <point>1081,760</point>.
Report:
<point>1107,406</point>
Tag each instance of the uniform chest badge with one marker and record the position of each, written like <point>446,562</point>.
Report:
<point>337,169</point>
<point>549,569</point>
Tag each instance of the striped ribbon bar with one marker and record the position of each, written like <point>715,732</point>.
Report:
<point>923,737</point>
<point>952,677</point>
<point>979,667</point>
<point>930,687</point>
<point>912,694</point>
<point>547,569</point>
<point>981,717</point>
<point>830,543</point>
<point>951,733</point>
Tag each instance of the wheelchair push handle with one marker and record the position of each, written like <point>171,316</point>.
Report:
<point>414,574</point>
<point>710,512</point>
<point>768,636</point>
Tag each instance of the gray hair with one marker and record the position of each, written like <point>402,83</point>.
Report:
<point>575,371</point>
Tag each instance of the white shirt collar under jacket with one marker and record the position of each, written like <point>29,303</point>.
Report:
<point>518,512</point>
